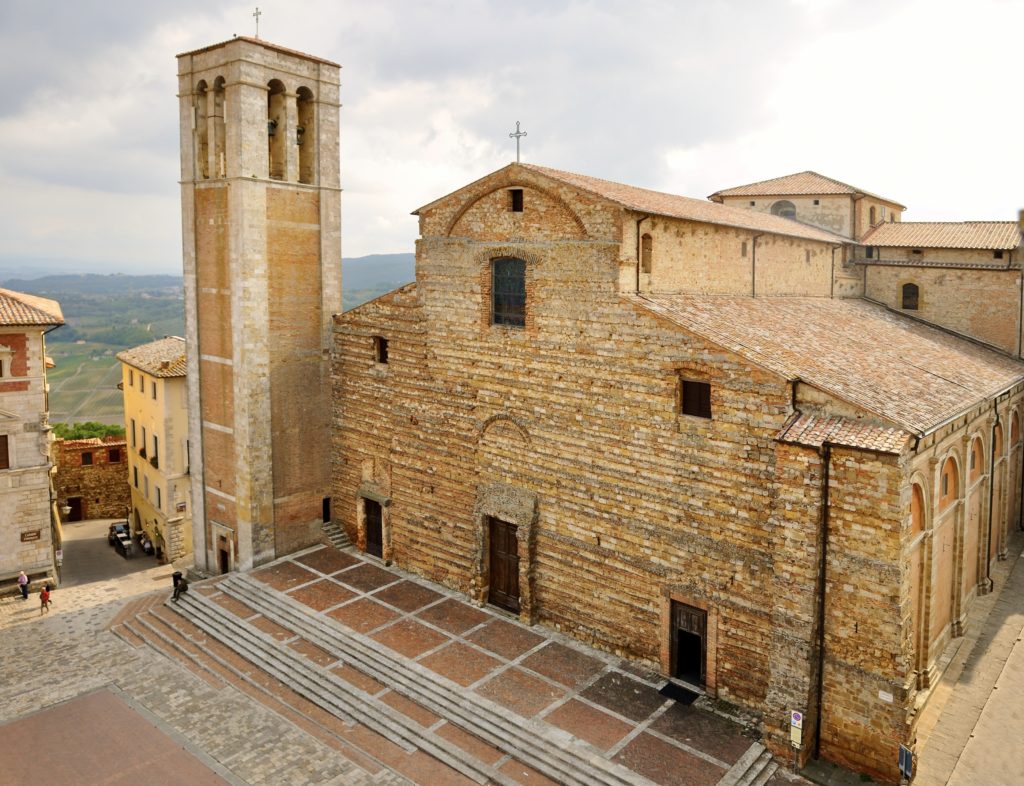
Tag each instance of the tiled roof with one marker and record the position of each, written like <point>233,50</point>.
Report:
<point>658,203</point>
<point>800,184</point>
<point>995,235</point>
<point>264,44</point>
<point>92,442</point>
<point>17,308</point>
<point>895,368</point>
<point>814,431</point>
<point>164,357</point>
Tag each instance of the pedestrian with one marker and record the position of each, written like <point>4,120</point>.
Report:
<point>179,588</point>
<point>23,585</point>
<point>44,599</point>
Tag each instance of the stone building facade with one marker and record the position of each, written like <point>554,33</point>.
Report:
<point>90,478</point>
<point>261,204</point>
<point>157,475</point>
<point>29,522</point>
<point>654,423</point>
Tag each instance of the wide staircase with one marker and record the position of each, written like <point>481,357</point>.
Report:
<point>216,640</point>
<point>336,535</point>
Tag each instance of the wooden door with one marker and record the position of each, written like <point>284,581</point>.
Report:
<point>223,555</point>
<point>504,565</point>
<point>374,528</point>
<point>689,643</point>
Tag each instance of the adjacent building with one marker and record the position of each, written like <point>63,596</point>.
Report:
<point>29,522</point>
<point>154,380</point>
<point>90,481</point>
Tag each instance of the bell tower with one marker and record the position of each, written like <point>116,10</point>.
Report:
<point>261,226</point>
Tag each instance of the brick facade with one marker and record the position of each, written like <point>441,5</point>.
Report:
<point>801,558</point>
<point>92,477</point>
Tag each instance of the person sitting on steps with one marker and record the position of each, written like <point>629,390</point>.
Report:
<point>179,588</point>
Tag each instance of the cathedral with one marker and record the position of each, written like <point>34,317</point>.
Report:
<point>768,442</point>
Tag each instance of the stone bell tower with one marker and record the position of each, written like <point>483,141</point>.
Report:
<point>261,226</point>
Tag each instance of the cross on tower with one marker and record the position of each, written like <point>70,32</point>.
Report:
<point>256,15</point>
<point>517,136</point>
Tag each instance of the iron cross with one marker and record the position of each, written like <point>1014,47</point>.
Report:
<point>256,15</point>
<point>517,135</point>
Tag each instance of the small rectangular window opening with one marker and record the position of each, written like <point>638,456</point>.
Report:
<point>114,456</point>
<point>380,349</point>
<point>86,459</point>
<point>817,201</point>
<point>152,386</point>
<point>917,252</point>
<point>998,254</point>
<point>869,252</point>
<point>695,398</point>
<point>807,255</point>
<point>752,203</point>
<point>516,200</point>
<point>743,248</point>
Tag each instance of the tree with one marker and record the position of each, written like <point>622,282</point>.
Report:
<point>86,430</point>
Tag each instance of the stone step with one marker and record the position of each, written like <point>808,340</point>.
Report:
<point>337,535</point>
<point>750,767</point>
<point>327,690</point>
<point>550,750</point>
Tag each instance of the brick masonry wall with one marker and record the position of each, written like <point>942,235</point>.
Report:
<point>982,304</point>
<point>102,486</point>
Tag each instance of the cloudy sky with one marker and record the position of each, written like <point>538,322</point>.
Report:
<point>922,102</point>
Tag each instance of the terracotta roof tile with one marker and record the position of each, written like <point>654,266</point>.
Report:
<point>895,368</point>
<point>92,442</point>
<point>164,357</point>
<point>17,308</point>
<point>814,431</point>
<point>995,235</point>
<point>659,203</point>
<point>800,184</point>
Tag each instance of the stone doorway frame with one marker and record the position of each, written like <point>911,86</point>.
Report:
<point>516,506</point>
<point>372,492</point>
<point>684,596</point>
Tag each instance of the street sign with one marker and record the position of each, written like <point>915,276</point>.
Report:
<point>796,718</point>
<point>906,762</point>
<point>796,729</point>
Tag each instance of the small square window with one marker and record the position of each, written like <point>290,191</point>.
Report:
<point>516,204</point>
<point>380,349</point>
<point>753,203</point>
<point>998,254</point>
<point>86,459</point>
<point>817,201</point>
<point>114,456</point>
<point>695,398</point>
<point>917,252</point>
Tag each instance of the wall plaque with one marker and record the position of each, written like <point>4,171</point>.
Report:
<point>28,537</point>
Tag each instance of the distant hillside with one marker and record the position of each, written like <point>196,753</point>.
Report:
<point>364,278</point>
<point>94,284</point>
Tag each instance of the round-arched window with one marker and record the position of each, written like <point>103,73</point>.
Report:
<point>784,208</point>
<point>948,490</point>
<point>916,509</point>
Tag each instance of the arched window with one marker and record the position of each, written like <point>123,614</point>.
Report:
<point>976,463</point>
<point>305,135</point>
<point>911,296</point>
<point>997,443</point>
<point>217,112</point>
<point>508,292</point>
<point>1014,429</point>
<point>916,509</point>
<point>202,131</point>
<point>646,252</point>
<point>277,130</point>
<point>948,488</point>
<point>784,208</point>
<point>871,216</point>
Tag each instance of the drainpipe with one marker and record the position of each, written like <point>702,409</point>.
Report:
<point>826,460</point>
<point>991,492</point>
<point>753,264</point>
<point>639,221</point>
<point>1020,312</point>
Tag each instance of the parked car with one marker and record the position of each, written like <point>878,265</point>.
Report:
<point>123,544</point>
<point>116,529</point>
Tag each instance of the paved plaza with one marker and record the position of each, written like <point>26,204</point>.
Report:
<point>126,688</point>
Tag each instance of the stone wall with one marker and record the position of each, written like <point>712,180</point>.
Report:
<point>982,304</point>
<point>103,485</point>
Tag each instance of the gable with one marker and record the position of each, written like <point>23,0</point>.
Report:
<point>541,216</point>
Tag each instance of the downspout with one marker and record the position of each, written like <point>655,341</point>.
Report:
<point>1020,311</point>
<point>639,221</point>
<point>753,264</point>
<point>826,460</point>
<point>991,491</point>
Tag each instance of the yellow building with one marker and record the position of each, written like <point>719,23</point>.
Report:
<point>156,425</point>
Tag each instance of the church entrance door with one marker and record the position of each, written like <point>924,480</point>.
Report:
<point>504,565</point>
<point>374,528</point>
<point>689,643</point>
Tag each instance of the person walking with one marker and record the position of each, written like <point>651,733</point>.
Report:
<point>23,585</point>
<point>44,600</point>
